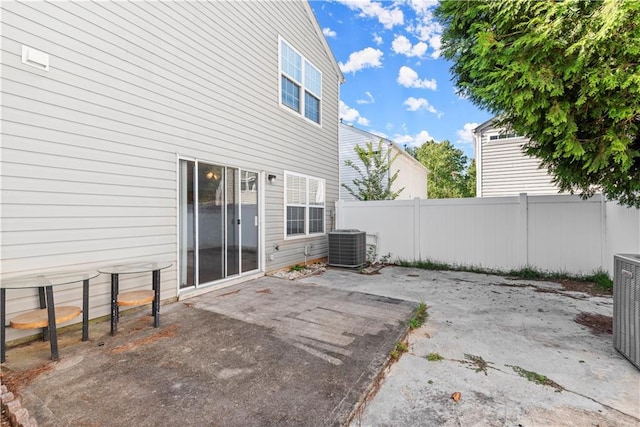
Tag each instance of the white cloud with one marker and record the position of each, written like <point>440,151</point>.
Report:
<point>421,6</point>
<point>436,43</point>
<point>465,135</point>
<point>402,45</point>
<point>414,104</point>
<point>426,28</point>
<point>369,100</point>
<point>365,58</point>
<point>370,9</point>
<point>409,78</point>
<point>351,115</point>
<point>328,32</point>
<point>413,140</point>
<point>377,39</point>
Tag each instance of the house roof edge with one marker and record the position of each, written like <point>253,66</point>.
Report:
<point>323,39</point>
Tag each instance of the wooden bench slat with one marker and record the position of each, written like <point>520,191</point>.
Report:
<point>131,298</point>
<point>39,318</point>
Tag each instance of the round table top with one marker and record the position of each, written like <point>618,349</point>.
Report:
<point>38,280</point>
<point>135,267</point>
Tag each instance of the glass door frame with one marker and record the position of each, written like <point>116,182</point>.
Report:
<point>238,197</point>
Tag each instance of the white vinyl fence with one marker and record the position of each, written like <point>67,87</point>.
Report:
<point>559,233</point>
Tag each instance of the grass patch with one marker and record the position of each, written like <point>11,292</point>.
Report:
<point>425,265</point>
<point>297,267</point>
<point>434,357</point>
<point>419,317</point>
<point>536,378</point>
<point>527,273</point>
<point>599,277</point>
<point>401,347</point>
<point>602,280</point>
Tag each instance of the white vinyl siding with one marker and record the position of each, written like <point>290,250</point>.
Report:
<point>89,148</point>
<point>505,170</point>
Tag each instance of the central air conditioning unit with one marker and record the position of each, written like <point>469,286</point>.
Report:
<point>626,306</point>
<point>347,248</point>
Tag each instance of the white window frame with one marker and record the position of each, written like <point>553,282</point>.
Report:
<point>303,88</point>
<point>501,136</point>
<point>307,205</point>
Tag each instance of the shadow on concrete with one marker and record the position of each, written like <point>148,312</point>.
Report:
<point>266,352</point>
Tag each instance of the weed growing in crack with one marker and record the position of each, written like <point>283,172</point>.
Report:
<point>536,378</point>
<point>419,317</point>
<point>478,362</point>
<point>401,347</point>
<point>434,357</point>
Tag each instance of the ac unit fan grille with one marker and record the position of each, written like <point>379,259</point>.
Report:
<point>347,248</point>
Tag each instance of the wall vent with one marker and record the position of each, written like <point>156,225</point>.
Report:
<point>347,248</point>
<point>626,306</point>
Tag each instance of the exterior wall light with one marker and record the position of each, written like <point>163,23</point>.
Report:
<point>271,178</point>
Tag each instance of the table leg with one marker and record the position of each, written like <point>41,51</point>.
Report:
<point>53,333</point>
<point>85,310</point>
<point>3,319</point>
<point>155,306</point>
<point>114,304</point>
<point>43,304</point>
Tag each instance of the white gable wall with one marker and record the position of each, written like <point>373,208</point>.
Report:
<point>348,139</point>
<point>412,176</point>
<point>504,170</point>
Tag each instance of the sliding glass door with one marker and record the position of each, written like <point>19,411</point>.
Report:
<point>218,222</point>
<point>210,222</point>
<point>233,223</point>
<point>249,225</point>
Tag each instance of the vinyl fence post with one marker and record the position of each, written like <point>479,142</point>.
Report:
<point>605,262</point>
<point>523,230</point>
<point>417,256</point>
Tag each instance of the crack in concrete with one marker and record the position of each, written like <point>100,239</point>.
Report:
<point>486,365</point>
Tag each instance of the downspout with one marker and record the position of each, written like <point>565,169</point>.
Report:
<point>389,147</point>
<point>477,145</point>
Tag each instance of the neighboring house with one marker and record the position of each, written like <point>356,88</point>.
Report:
<point>412,176</point>
<point>502,168</point>
<point>200,133</point>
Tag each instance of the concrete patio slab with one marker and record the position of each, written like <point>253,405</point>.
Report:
<point>497,337</point>
<point>277,352</point>
<point>266,352</point>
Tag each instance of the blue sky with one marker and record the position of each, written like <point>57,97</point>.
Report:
<point>397,84</point>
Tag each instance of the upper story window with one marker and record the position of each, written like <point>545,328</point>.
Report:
<point>503,136</point>
<point>300,83</point>
<point>304,205</point>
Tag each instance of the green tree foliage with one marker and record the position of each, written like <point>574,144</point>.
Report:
<point>471,179</point>
<point>449,170</point>
<point>564,73</point>
<point>374,182</point>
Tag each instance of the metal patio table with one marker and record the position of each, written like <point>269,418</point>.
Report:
<point>134,268</point>
<point>45,282</point>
